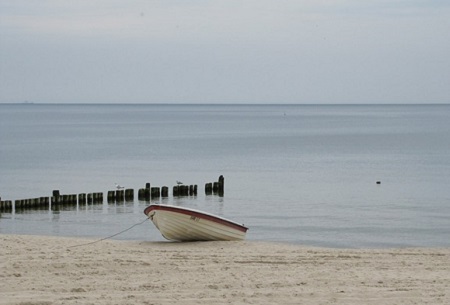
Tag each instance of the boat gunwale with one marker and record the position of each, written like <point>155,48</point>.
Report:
<point>196,213</point>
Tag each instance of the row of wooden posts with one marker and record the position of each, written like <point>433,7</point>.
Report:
<point>215,187</point>
<point>144,194</point>
<point>55,201</point>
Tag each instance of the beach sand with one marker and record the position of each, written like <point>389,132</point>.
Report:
<point>50,270</point>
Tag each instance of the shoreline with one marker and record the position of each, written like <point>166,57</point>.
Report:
<point>64,270</point>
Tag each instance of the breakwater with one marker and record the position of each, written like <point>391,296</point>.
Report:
<point>148,193</point>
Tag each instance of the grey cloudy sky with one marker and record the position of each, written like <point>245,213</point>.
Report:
<point>225,51</point>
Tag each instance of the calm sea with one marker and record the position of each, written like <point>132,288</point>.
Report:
<point>303,174</point>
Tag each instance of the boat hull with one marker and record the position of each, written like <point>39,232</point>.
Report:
<point>183,224</point>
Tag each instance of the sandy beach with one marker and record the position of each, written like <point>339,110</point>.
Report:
<point>52,270</point>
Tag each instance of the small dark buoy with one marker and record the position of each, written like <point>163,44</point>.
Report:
<point>378,182</point>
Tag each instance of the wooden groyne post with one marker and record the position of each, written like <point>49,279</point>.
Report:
<point>129,195</point>
<point>120,195</point>
<point>6,206</point>
<point>111,196</point>
<point>58,199</point>
<point>164,192</point>
<point>95,198</point>
<point>155,192</point>
<point>82,198</point>
<point>221,185</point>
<point>32,203</point>
<point>144,194</point>
<point>152,192</point>
<point>208,188</point>
<point>184,190</point>
<point>217,187</point>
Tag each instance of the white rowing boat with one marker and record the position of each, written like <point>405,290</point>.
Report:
<point>183,224</point>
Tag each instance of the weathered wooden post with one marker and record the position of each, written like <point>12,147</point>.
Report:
<point>39,202</point>
<point>175,191</point>
<point>17,204</point>
<point>195,190</point>
<point>141,194</point>
<point>82,198</point>
<point>55,202</point>
<point>155,192</point>
<point>8,205</point>
<point>111,196</point>
<point>90,198</point>
<point>5,206</point>
<point>129,195</point>
<point>221,185</point>
<point>68,199</point>
<point>208,188</point>
<point>98,197</point>
<point>215,187</point>
<point>147,193</point>
<point>164,192</point>
<point>44,202</point>
<point>120,195</point>
<point>181,190</point>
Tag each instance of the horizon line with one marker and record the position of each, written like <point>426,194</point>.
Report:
<point>218,104</point>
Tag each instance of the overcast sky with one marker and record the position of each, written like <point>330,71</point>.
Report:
<point>225,51</point>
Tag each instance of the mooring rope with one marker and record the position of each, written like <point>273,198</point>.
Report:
<point>111,236</point>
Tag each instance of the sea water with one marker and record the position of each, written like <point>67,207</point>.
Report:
<point>304,174</point>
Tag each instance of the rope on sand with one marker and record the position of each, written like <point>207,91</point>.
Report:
<point>111,236</point>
